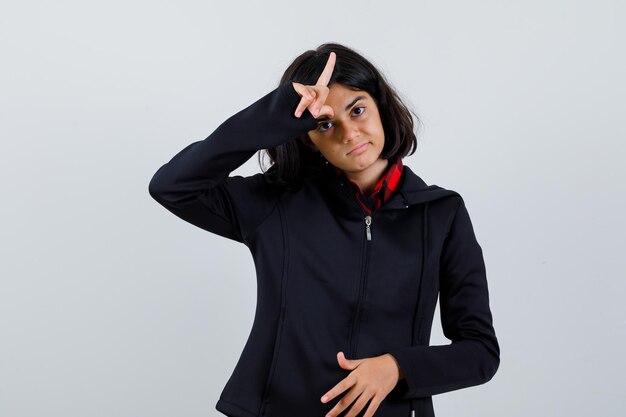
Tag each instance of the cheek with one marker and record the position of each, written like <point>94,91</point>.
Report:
<point>376,128</point>
<point>379,127</point>
<point>327,145</point>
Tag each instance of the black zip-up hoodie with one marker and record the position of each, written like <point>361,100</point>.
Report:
<point>330,278</point>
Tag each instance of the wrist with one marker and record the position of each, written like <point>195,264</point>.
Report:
<point>400,373</point>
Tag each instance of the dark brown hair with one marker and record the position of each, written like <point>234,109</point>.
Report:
<point>293,161</point>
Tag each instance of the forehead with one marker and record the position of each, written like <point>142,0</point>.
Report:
<point>340,95</point>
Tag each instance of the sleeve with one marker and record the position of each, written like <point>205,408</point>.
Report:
<point>195,184</point>
<point>473,356</point>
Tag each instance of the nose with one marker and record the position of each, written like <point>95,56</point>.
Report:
<point>350,132</point>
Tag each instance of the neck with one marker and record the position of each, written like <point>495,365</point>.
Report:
<point>367,179</point>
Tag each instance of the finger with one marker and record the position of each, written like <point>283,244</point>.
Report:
<point>344,403</point>
<point>374,404</point>
<point>326,111</point>
<point>308,95</point>
<point>343,385</point>
<point>360,403</point>
<point>316,105</point>
<point>302,90</point>
<point>324,77</point>
<point>304,103</point>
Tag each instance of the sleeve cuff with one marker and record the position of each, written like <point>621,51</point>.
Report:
<point>407,385</point>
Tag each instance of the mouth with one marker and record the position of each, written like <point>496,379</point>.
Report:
<point>359,148</point>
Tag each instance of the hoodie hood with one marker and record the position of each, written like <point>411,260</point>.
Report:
<point>414,190</point>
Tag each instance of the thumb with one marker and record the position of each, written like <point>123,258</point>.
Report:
<point>326,110</point>
<point>347,363</point>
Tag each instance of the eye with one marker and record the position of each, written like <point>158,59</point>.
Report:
<point>319,126</point>
<point>362,110</point>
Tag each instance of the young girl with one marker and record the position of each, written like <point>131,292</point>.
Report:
<point>351,249</point>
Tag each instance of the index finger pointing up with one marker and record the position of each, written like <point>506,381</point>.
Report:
<point>328,70</point>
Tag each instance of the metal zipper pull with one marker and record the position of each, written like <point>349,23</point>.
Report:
<point>368,221</point>
<point>412,413</point>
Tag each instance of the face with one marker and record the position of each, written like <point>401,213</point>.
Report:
<point>354,138</point>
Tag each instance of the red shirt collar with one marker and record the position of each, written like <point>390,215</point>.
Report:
<point>382,191</point>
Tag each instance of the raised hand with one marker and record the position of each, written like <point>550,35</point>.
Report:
<point>314,96</point>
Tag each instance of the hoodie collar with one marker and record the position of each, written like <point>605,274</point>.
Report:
<point>382,191</point>
<point>411,190</point>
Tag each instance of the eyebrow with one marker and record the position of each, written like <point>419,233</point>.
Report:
<point>352,103</point>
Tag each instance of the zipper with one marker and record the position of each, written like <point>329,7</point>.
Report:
<point>353,346</point>
<point>354,331</point>
<point>352,339</point>
<point>362,288</point>
<point>356,324</point>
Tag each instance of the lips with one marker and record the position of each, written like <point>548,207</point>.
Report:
<point>358,148</point>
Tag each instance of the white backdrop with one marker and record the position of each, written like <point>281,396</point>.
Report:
<point>112,306</point>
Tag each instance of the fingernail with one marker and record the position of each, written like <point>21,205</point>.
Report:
<point>297,114</point>
<point>324,398</point>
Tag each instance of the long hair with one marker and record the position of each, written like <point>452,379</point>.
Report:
<point>293,161</point>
